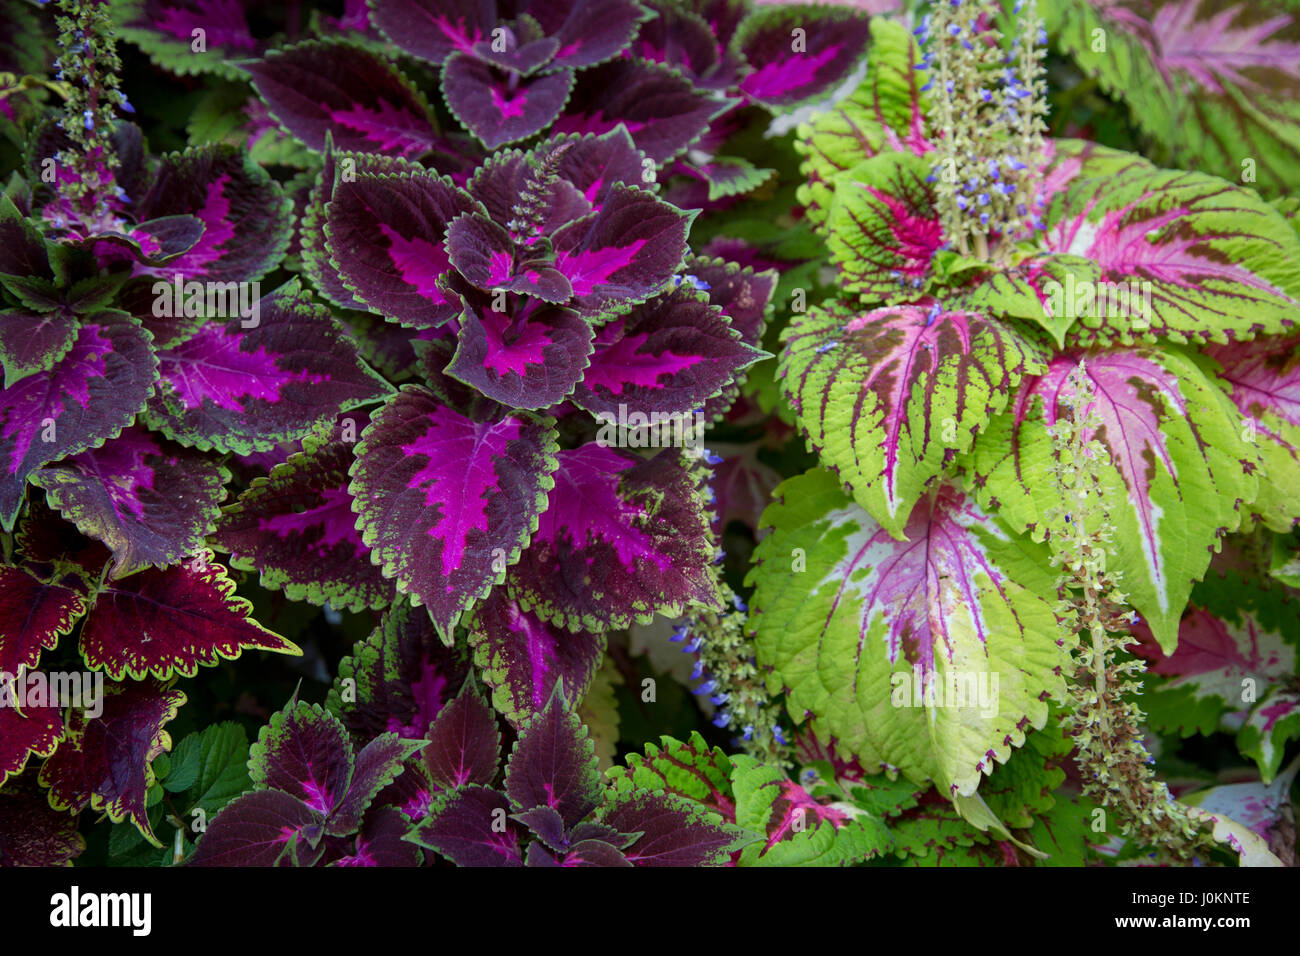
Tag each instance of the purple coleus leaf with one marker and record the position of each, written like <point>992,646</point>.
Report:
<point>523,658</point>
<point>668,355</point>
<point>32,833</point>
<point>248,383</point>
<point>464,742</point>
<point>622,538</point>
<point>661,109</point>
<point>257,829</point>
<point>104,762</point>
<point>499,106</point>
<point>583,853</point>
<point>34,614</point>
<point>529,357</point>
<point>742,484</point>
<point>333,87</point>
<point>673,831</point>
<point>745,296</point>
<point>247,219</point>
<point>88,396</point>
<point>399,678</point>
<point>485,255</point>
<point>434,29</point>
<point>471,827</point>
<point>799,52</point>
<point>171,622</point>
<point>446,501</point>
<point>624,253</point>
<point>31,343</point>
<point>680,38</point>
<point>165,30</point>
<point>385,235</point>
<point>382,842</point>
<point>33,732</point>
<point>378,764</point>
<point>296,528</point>
<point>304,751</point>
<point>588,31</point>
<point>150,501</point>
<point>553,764</point>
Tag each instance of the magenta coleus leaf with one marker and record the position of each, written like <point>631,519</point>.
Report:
<point>247,218</point>
<point>674,832</point>
<point>171,622</point>
<point>88,396</point>
<point>498,106</point>
<point>104,762</point>
<point>335,87</point>
<point>304,751</point>
<point>34,614</point>
<point>553,764</point>
<point>463,828</point>
<point>382,842</point>
<point>789,68</point>
<point>464,742</point>
<point>621,538</point>
<point>311,228</point>
<point>256,829</point>
<point>384,235</point>
<point>529,357</point>
<point>523,658</point>
<point>248,383</point>
<point>32,833</point>
<point>398,678</point>
<point>891,396</point>
<point>296,528</point>
<point>447,502</point>
<point>35,731</point>
<point>661,109</point>
<point>680,38</point>
<point>668,355</point>
<point>150,501</point>
<point>624,253</point>
<point>32,343</point>
<point>434,29</point>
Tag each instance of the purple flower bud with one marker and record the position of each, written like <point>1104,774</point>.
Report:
<point>697,671</point>
<point>749,732</point>
<point>954,29</point>
<point>89,118</point>
<point>708,687</point>
<point>779,734</point>
<point>722,719</point>
<point>717,700</point>
<point>693,646</point>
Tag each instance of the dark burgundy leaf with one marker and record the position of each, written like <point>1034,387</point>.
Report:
<point>673,831</point>
<point>471,827</point>
<point>305,752</point>
<point>500,107</point>
<point>33,616</point>
<point>32,833</point>
<point>553,764</point>
<point>464,742</point>
<point>256,829</point>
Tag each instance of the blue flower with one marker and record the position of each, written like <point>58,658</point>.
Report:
<point>749,732</point>
<point>722,719</point>
<point>779,734</point>
<point>717,700</point>
<point>708,687</point>
<point>89,119</point>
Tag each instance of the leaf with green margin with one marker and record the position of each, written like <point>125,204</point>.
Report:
<point>689,769</point>
<point>34,614</point>
<point>134,22</point>
<point>1273,722</point>
<point>885,114</point>
<point>1216,260</point>
<point>31,343</point>
<point>962,599</point>
<point>104,762</point>
<point>296,528</point>
<point>553,764</point>
<point>32,833</point>
<point>890,397</point>
<point>378,764</point>
<point>150,501</point>
<point>1213,81</point>
<point>171,622</point>
<point>770,804</point>
<point>1177,476</point>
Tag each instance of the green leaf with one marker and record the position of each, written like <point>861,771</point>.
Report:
<point>215,761</point>
<point>850,621</point>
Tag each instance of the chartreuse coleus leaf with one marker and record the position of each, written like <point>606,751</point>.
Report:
<point>794,829</point>
<point>34,614</point>
<point>522,657</point>
<point>88,396</point>
<point>1177,477</point>
<point>150,501</point>
<point>1182,255</point>
<point>690,769</point>
<point>296,528</point>
<point>1263,379</point>
<point>891,396</point>
<point>447,501</point>
<point>171,622</point>
<point>104,762</point>
<point>1214,81</point>
<point>1235,668</point>
<point>930,655</point>
<point>886,113</point>
<point>247,384</point>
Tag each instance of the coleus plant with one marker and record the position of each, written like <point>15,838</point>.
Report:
<point>511,247</point>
